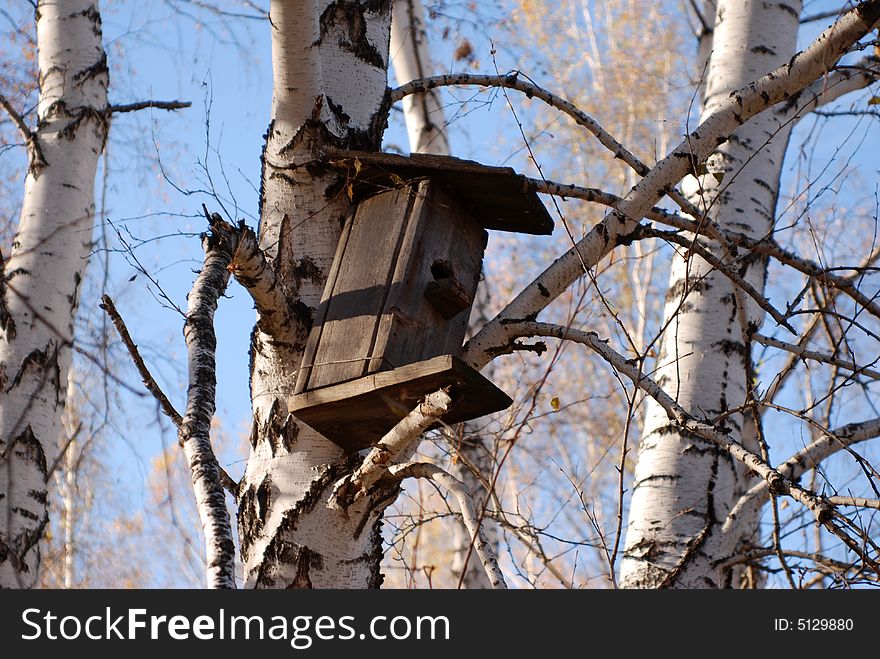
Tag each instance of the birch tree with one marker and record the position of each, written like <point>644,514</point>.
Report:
<point>310,515</point>
<point>684,486</point>
<point>330,64</point>
<point>42,274</point>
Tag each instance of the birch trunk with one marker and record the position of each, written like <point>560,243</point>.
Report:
<point>330,63</point>
<point>684,487</point>
<point>44,271</point>
<point>425,120</point>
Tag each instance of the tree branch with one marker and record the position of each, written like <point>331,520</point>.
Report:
<point>485,550</point>
<point>725,269</point>
<point>765,246</point>
<point>37,160</point>
<point>739,107</point>
<point>147,377</point>
<point>807,458</point>
<point>57,461</point>
<point>195,428</point>
<point>856,502</point>
<point>829,88</point>
<point>150,382</point>
<point>814,355</point>
<point>277,317</point>
<point>775,481</point>
<point>143,105</point>
<point>812,18</point>
<point>390,447</point>
<point>531,90</point>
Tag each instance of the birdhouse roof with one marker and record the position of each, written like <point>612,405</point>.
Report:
<point>497,197</point>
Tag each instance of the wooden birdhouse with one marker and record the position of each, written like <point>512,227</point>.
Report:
<point>395,309</point>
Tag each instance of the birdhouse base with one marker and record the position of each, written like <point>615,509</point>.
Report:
<point>357,414</point>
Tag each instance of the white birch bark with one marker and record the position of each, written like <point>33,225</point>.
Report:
<point>45,269</point>
<point>411,59</point>
<point>194,432</point>
<point>330,63</point>
<point>684,487</point>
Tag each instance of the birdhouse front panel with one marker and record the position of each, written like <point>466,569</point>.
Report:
<point>400,288</point>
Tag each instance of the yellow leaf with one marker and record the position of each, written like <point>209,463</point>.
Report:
<point>350,189</point>
<point>875,100</point>
<point>357,166</point>
<point>554,403</point>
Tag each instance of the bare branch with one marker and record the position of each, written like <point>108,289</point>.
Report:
<point>26,133</point>
<point>37,160</point>
<point>147,377</point>
<point>150,382</point>
<point>390,447</point>
<point>143,105</point>
<point>829,88</point>
<point>464,498</point>
<point>725,269</point>
<point>531,90</point>
<point>765,246</point>
<point>737,108</point>
<point>195,429</point>
<point>252,270</point>
<point>757,554</point>
<point>57,461</point>
<point>807,458</point>
<point>820,16</point>
<point>856,502</point>
<point>825,358</point>
<point>775,481</point>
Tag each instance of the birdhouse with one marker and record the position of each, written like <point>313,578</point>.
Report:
<point>395,309</point>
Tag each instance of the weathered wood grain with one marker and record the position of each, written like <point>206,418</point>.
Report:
<point>497,197</point>
<point>357,413</point>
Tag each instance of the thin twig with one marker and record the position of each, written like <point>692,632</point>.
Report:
<point>70,440</point>
<point>857,502</point>
<point>725,269</point>
<point>147,377</point>
<point>150,383</point>
<point>825,358</point>
<point>143,105</point>
<point>513,81</point>
<point>38,161</point>
<point>776,482</point>
<point>484,549</point>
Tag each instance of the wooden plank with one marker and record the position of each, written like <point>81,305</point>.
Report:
<point>357,413</point>
<point>348,330</point>
<point>497,197</point>
<point>302,378</point>
<point>414,329</point>
<point>394,315</point>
